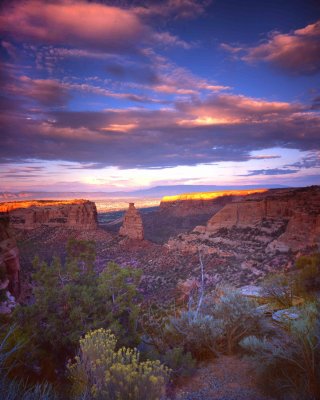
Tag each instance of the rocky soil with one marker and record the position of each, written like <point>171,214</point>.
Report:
<point>227,378</point>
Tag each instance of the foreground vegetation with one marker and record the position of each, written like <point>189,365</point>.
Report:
<point>89,336</point>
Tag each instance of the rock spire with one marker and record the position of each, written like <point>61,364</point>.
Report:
<point>132,226</point>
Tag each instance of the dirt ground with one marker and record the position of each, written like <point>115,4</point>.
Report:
<point>227,378</point>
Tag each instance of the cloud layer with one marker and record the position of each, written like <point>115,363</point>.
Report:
<point>296,53</point>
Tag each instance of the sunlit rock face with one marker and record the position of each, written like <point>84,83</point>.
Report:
<point>202,203</point>
<point>132,226</point>
<point>299,208</point>
<point>75,214</point>
<point>9,259</point>
<point>277,221</point>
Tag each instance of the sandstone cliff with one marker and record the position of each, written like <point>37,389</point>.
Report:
<point>132,226</point>
<point>9,259</point>
<point>278,220</point>
<point>202,203</point>
<point>76,214</point>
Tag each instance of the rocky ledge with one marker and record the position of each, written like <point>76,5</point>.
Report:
<point>9,261</point>
<point>202,203</point>
<point>75,214</point>
<point>276,221</point>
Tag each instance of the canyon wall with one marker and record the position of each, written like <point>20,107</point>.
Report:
<point>9,259</point>
<point>277,220</point>
<point>202,203</point>
<point>76,214</point>
<point>299,207</point>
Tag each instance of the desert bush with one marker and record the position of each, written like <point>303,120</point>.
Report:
<point>289,366</point>
<point>281,289</point>
<point>156,345</point>
<point>102,372</point>
<point>71,299</point>
<point>309,272</point>
<point>217,326</point>
<point>199,333</point>
<point>12,389</point>
<point>179,361</point>
<point>239,318</point>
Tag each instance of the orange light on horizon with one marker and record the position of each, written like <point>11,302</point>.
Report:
<point>211,195</point>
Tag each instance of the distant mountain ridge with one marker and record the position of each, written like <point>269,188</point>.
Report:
<point>153,192</point>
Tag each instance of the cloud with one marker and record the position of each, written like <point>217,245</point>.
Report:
<point>233,109</point>
<point>316,103</point>
<point>178,9</point>
<point>296,53</point>
<point>75,23</point>
<point>311,160</point>
<point>85,26</point>
<point>47,92</point>
<point>271,171</point>
<point>145,74</point>
<point>264,157</point>
<point>218,128</point>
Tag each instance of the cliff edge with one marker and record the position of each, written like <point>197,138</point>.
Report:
<point>76,214</point>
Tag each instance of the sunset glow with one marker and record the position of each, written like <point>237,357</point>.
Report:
<point>109,95</point>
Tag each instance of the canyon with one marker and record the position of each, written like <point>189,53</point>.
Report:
<point>242,236</point>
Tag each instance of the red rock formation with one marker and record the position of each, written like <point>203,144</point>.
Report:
<point>77,214</point>
<point>280,220</point>
<point>300,207</point>
<point>9,258</point>
<point>132,226</point>
<point>202,203</point>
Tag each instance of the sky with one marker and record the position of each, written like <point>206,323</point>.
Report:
<point>120,95</point>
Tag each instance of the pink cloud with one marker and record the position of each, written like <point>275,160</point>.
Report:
<point>83,25</point>
<point>179,9</point>
<point>297,52</point>
<point>234,109</point>
<point>73,22</point>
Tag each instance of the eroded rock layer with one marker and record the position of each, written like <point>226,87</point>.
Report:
<point>9,259</point>
<point>132,226</point>
<point>202,203</point>
<point>278,220</point>
<point>76,214</point>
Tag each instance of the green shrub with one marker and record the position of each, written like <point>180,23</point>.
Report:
<point>239,318</point>
<point>71,299</point>
<point>198,333</point>
<point>309,272</point>
<point>289,366</point>
<point>12,389</point>
<point>180,362</point>
<point>217,326</point>
<point>102,372</point>
<point>281,289</point>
